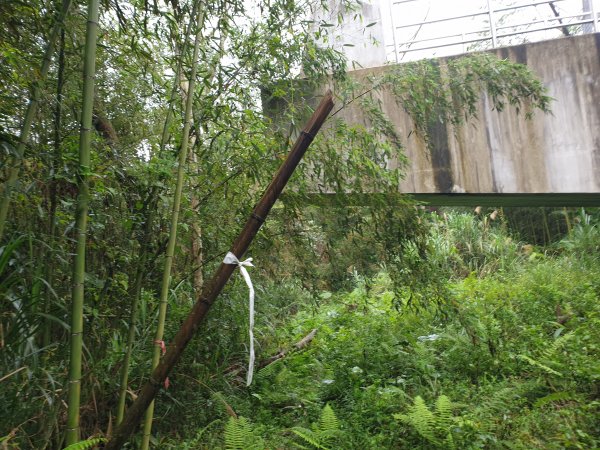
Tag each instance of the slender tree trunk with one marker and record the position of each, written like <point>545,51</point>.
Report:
<point>15,163</point>
<point>149,220</point>
<point>164,293</point>
<point>81,216</point>
<point>136,294</point>
<point>196,235</point>
<point>55,165</point>
<point>215,286</point>
<point>197,248</point>
<point>176,81</point>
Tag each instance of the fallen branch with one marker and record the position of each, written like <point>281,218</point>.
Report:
<point>283,353</point>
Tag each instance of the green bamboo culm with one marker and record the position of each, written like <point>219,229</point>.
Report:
<point>141,266</point>
<point>15,163</point>
<point>55,163</point>
<point>164,292</point>
<point>81,215</point>
<point>137,291</point>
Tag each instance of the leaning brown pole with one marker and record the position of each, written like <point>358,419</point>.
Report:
<point>220,278</point>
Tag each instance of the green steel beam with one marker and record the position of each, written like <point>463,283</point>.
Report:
<point>587,199</point>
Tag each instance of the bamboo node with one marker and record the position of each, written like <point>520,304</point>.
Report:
<point>307,134</point>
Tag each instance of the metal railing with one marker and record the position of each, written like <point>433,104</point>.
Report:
<point>493,14</point>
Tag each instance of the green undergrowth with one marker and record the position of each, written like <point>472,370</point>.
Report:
<point>511,360</point>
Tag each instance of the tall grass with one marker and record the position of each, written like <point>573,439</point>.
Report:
<point>463,243</point>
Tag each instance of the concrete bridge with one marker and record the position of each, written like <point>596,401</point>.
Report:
<point>503,159</point>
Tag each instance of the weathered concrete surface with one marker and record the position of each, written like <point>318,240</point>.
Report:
<point>502,152</point>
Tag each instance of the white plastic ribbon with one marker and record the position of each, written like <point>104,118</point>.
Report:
<point>230,258</point>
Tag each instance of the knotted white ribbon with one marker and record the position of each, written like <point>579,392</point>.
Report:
<point>230,258</point>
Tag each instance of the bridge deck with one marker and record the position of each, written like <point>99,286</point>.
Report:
<point>501,152</point>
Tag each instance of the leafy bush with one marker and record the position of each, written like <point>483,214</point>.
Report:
<point>516,346</point>
<point>438,427</point>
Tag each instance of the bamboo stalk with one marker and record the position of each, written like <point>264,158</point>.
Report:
<point>85,139</point>
<point>164,293</point>
<point>149,220</point>
<point>220,278</point>
<point>136,293</point>
<point>15,164</point>
<point>196,244</point>
<point>176,83</point>
<point>55,164</point>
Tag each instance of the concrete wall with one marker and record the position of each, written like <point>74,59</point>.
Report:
<point>504,153</point>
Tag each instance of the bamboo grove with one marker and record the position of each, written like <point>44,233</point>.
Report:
<point>134,138</point>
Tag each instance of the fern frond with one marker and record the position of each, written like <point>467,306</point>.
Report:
<point>434,426</point>
<point>239,435</point>
<point>555,397</point>
<point>421,418</point>
<point>85,445</point>
<point>309,436</point>
<point>501,400</point>
<point>329,425</point>
<point>449,442</point>
<point>539,365</point>
<point>445,420</point>
<point>328,421</point>
<point>323,432</point>
<point>552,350</point>
<point>443,412</point>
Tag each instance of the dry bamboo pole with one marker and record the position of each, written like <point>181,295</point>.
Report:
<point>220,278</point>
